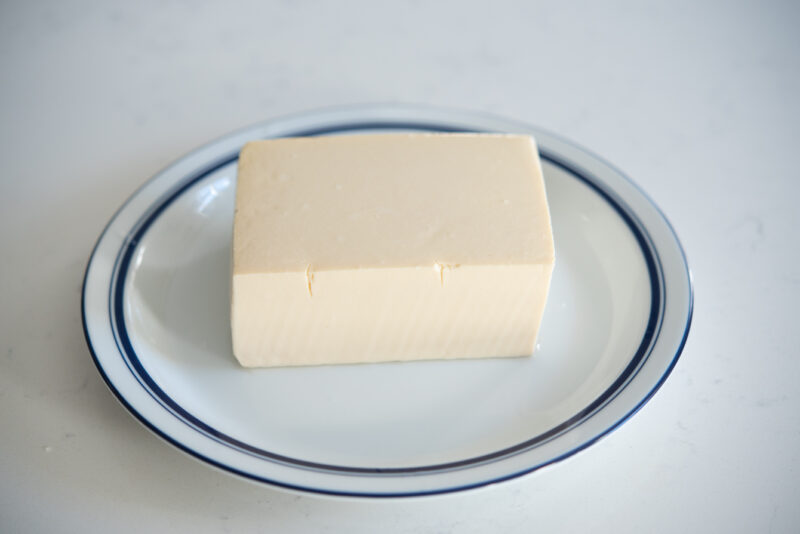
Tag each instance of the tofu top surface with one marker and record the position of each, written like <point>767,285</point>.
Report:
<point>390,200</point>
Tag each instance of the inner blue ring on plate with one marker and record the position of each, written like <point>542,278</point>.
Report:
<point>117,319</point>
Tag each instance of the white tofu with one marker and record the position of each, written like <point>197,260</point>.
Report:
<point>372,248</point>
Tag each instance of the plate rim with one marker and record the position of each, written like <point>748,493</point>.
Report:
<point>182,184</point>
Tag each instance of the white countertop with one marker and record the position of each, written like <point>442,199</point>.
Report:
<point>697,103</point>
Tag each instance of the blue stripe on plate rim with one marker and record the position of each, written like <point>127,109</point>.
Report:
<point>131,360</point>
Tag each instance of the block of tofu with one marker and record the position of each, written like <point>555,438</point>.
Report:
<point>372,248</point>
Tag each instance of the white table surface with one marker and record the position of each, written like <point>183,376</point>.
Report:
<point>697,101</point>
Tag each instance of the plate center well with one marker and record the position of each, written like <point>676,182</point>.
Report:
<point>176,305</point>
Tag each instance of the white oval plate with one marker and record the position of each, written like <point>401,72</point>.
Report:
<point>156,305</point>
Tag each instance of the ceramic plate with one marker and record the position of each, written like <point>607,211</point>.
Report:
<point>156,318</point>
